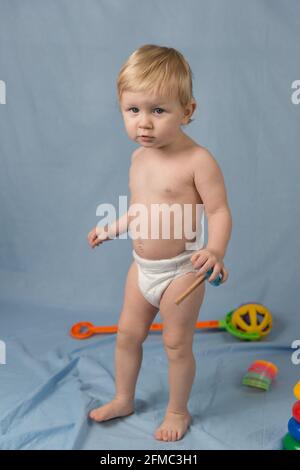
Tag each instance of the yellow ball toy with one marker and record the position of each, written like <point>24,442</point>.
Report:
<point>253,318</point>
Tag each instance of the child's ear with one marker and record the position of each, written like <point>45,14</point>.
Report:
<point>189,111</point>
<point>193,107</point>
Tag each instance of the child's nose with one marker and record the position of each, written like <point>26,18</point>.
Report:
<point>145,122</point>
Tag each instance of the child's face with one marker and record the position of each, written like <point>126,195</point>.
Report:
<point>157,117</point>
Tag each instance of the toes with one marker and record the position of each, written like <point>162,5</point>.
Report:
<point>96,416</point>
<point>180,434</point>
<point>168,435</point>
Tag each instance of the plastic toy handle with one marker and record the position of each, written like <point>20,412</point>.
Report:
<point>83,330</point>
<point>209,324</point>
<point>156,327</point>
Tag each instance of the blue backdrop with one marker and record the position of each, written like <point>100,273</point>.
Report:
<point>64,150</point>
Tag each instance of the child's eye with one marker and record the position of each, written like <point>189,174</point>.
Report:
<point>160,110</point>
<point>134,108</point>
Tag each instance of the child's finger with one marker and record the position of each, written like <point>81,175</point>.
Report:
<point>194,257</point>
<point>198,255</point>
<point>206,267</point>
<point>224,275</point>
<point>91,237</point>
<point>202,259</point>
<point>216,271</point>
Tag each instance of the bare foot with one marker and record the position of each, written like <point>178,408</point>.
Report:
<point>114,409</point>
<point>173,427</point>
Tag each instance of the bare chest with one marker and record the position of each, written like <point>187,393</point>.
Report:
<point>162,181</point>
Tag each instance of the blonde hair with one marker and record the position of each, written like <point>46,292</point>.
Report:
<point>160,70</point>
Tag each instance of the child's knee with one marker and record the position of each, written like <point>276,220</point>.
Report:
<point>131,336</point>
<point>177,345</point>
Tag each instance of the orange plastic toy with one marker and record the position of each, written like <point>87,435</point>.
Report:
<point>85,329</point>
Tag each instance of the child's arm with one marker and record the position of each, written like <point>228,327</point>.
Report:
<point>210,185</point>
<point>100,234</point>
<point>115,229</point>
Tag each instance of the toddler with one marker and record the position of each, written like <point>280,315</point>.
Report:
<point>167,169</point>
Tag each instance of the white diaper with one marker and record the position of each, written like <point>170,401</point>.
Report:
<point>154,276</point>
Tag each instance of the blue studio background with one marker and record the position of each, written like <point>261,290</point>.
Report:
<point>64,150</point>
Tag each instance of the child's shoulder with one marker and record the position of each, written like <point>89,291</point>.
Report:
<point>203,157</point>
<point>204,165</point>
<point>197,151</point>
<point>135,153</point>
<point>202,153</point>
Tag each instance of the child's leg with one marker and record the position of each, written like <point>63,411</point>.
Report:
<point>179,327</point>
<point>133,327</point>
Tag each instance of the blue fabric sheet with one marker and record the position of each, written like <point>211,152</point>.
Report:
<point>51,381</point>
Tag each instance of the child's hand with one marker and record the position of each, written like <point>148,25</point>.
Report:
<point>205,260</point>
<point>97,236</point>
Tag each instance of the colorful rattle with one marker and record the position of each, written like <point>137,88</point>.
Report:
<point>232,323</point>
